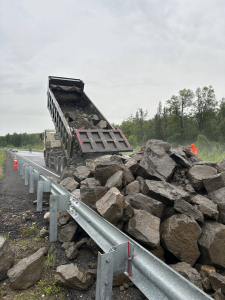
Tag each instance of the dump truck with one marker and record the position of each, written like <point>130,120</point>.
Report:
<point>80,127</point>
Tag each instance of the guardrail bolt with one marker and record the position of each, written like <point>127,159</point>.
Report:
<point>106,283</point>
<point>108,260</point>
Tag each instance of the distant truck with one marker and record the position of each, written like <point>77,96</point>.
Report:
<point>81,130</point>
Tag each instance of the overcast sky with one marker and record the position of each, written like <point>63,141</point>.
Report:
<point>129,53</point>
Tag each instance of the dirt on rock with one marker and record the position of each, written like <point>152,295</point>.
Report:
<point>21,225</point>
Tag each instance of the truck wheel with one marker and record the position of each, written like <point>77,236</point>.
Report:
<point>49,162</point>
<point>63,164</point>
<point>57,166</point>
<point>46,161</point>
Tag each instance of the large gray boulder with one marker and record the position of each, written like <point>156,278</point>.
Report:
<point>91,193</point>
<point>186,208</point>
<point>68,232</point>
<point>81,173</point>
<point>140,201</point>
<point>115,180</point>
<point>164,192</point>
<point>145,228</point>
<point>221,166</point>
<point>197,173</point>
<point>179,235</point>
<point>218,197</point>
<point>28,271</point>
<point>73,276</point>
<point>92,163</point>
<point>69,184</point>
<point>180,160</point>
<point>132,188</point>
<point>104,170</point>
<point>206,206</point>
<point>7,257</point>
<point>156,164</point>
<point>188,272</point>
<point>111,205</point>
<point>132,165</point>
<point>212,244</point>
<point>214,183</point>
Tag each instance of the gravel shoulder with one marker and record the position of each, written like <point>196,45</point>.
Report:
<point>20,225</point>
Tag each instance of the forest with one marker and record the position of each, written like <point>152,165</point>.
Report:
<point>187,117</point>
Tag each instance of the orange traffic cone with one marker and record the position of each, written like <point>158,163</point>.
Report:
<point>15,162</point>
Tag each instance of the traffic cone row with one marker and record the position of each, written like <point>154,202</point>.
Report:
<point>15,162</point>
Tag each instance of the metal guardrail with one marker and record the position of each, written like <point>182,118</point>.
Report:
<point>154,278</point>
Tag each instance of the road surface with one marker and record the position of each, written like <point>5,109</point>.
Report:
<point>36,160</point>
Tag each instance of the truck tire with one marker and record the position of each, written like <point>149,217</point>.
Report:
<point>57,165</point>
<point>46,160</point>
<point>63,164</point>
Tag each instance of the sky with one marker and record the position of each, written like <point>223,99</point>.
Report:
<point>130,54</point>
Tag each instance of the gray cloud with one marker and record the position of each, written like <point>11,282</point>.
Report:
<point>129,53</point>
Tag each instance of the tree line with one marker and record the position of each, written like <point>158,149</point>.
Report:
<point>186,118</point>
<point>20,140</point>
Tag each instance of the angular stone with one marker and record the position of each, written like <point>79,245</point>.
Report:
<point>93,246</point>
<point>217,281</point>
<point>214,183</point>
<point>44,232</point>
<point>132,188</point>
<point>186,208</point>
<point>92,163</point>
<point>212,244</point>
<point>206,284</point>
<point>27,271</point>
<point>137,156</point>
<point>90,195</point>
<point>156,164</point>
<point>111,205</point>
<point>120,279</point>
<point>197,173</point>
<point>7,257</point>
<point>164,192</point>
<point>102,124</point>
<point>47,216</point>
<point>206,206</point>
<point>67,233</point>
<point>71,251</point>
<point>140,201</point>
<point>180,160</point>
<point>105,170</point>
<point>159,253</point>
<point>69,184</point>
<point>115,180</point>
<point>82,242</point>
<point>179,235</point>
<point>132,165</point>
<point>73,276</point>
<point>188,272</point>
<point>127,212</point>
<point>90,182</point>
<point>218,295</point>
<point>145,228</point>
<point>205,269</point>
<point>76,193</point>
<point>221,166</point>
<point>81,173</point>
<point>63,218</point>
<point>117,158</point>
<point>218,197</point>
<point>66,245</point>
<point>141,182</point>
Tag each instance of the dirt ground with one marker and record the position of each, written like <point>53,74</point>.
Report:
<point>20,225</point>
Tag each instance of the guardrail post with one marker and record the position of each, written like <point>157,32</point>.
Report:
<point>31,170</point>
<point>26,174</point>
<point>43,186</point>
<point>23,170</point>
<point>118,260</point>
<point>21,167</point>
<point>33,176</point>
<point>57,203</point>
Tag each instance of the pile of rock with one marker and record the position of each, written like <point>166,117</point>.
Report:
<point>168,200</point>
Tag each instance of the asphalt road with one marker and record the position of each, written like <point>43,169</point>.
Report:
<point>36,160</point>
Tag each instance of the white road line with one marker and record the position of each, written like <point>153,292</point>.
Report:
<point>41,167</point>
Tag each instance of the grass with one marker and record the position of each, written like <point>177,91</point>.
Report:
<point>2,160</point>
<point>28,231</point>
